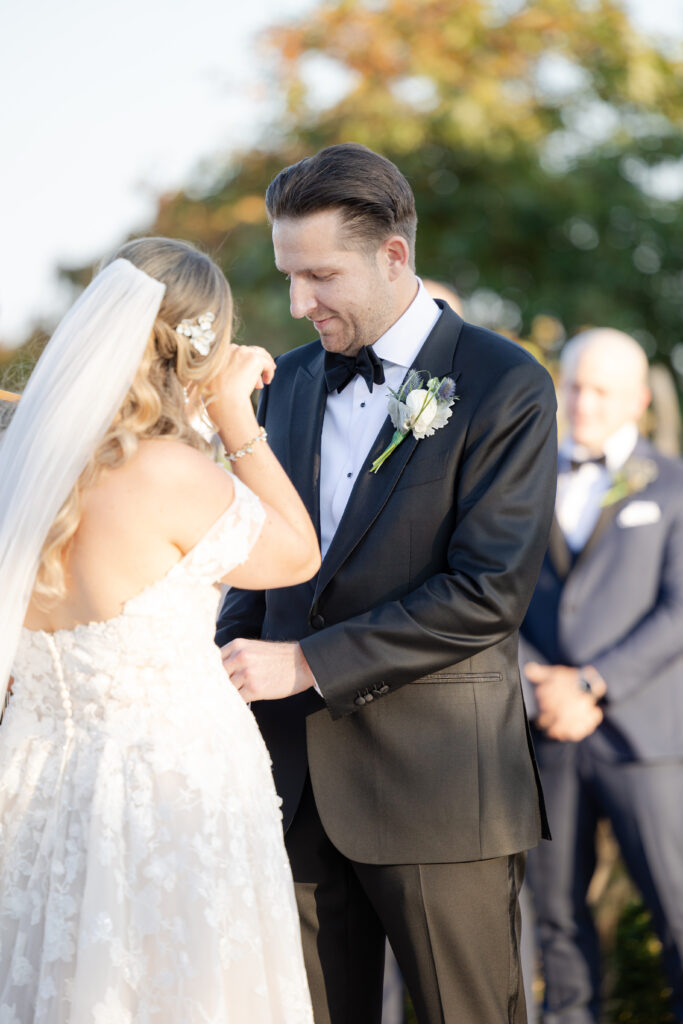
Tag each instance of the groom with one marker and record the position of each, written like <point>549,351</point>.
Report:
<point>388,690</point>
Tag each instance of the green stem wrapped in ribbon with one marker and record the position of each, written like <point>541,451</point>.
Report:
<point>398,436</point>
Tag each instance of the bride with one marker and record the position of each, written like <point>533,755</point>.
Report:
<point>143,876</point>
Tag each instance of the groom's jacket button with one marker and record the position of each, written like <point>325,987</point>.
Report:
<point>384,688</point>
<point>368,698</point>
<point>317,621</point>
<point>359,701</point>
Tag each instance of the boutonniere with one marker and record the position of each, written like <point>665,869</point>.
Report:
<point>634,476</point>
<point>418,408</point>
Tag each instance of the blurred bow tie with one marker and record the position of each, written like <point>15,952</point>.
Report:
<point>575,464</point>
<point>340,370</point>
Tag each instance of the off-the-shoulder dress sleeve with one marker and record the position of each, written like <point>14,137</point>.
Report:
<point>228,542</point>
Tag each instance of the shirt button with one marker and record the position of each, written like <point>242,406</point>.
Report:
<point>349,475</point>
<point>362,405</point>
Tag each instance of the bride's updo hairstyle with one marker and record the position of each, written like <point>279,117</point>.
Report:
<point>172,368</point>
<point>156,405</point>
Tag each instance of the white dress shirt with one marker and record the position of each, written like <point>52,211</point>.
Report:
<point>354,417</point>
<point>580,491</point>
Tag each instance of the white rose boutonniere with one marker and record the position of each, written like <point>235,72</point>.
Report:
<point>418,408</point>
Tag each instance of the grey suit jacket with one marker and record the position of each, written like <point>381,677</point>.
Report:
<point>619,606</point>
<point>419,752</point>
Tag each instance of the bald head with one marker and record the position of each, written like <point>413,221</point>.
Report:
<point>619,352</point>
<point>604,384</point>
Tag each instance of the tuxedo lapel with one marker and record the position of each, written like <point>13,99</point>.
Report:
<point>372,490</point>
<point>563,560</point>
<point>609,512</point>
<point>307,408</point>
<point>604,519</point>
<point>367,500</point>
<point>559,552</point>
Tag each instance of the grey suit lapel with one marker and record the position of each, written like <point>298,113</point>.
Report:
<point>609,513</point>
<point>561,556</point>
<point>372,490</point>
<point>559,552</point>
<point>604,519</point>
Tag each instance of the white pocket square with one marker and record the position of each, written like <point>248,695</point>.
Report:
<point>639,513</point>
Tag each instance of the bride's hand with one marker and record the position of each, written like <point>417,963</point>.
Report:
<point>248,369</point>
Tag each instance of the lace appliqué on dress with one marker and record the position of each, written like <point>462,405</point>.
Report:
<point>143,875</point>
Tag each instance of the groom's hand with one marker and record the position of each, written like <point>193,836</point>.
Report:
<point>261,670</point>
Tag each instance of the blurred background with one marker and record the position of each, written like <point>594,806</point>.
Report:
<point>543,142</point>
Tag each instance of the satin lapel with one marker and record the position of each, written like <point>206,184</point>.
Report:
<point>606,516</point>
<point>307,408</point>
<point>372,490</point>
<point>367,500</point>
<point>559,552</point>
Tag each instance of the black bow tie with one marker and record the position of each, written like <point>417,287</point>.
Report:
<point>340,370</point>
<point>599,460</point>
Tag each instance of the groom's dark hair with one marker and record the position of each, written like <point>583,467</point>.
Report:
<point>372,195</point>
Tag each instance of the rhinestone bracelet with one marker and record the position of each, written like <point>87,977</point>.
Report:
<point>248,448</point>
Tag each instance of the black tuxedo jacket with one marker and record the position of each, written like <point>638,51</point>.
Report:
<point>419,752</point>
<point>619,606</point>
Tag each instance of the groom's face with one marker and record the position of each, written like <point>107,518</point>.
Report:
<point>346,291</point>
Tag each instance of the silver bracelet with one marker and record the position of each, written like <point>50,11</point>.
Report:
<point>248,448</point>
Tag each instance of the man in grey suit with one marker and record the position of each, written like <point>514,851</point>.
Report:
<point>602,655</point>
<point>387,688</point>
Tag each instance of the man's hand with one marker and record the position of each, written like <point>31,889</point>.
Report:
<point>564,712</point>
<point>261,670</point>
<point>579,719</point>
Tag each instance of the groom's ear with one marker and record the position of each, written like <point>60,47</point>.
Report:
<point>394,252</point>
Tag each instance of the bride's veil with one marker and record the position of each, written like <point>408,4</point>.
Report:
<point>72,397</point>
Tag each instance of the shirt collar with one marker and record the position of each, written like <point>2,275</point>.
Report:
<point>404,339</point>
<point>618,448</point>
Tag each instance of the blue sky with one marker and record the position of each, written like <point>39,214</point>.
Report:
<point>105,106</point>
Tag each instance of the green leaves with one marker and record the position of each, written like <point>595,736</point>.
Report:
<point>536,143</point>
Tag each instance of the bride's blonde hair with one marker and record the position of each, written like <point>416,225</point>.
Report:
<point>156,404</point>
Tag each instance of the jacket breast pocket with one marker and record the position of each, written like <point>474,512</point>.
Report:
<point>422,470</point>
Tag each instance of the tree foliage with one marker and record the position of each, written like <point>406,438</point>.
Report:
<point>17,363</point>
<point>543,141</point>
<point>544,146</point>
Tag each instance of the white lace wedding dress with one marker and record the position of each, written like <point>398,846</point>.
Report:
<point>143,875</point>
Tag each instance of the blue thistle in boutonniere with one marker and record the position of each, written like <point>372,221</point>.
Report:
<point>634,476</point>
<point>419,409</point>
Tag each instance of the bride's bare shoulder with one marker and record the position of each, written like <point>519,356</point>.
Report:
<point>177,489</point>
<point>163,459</point>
